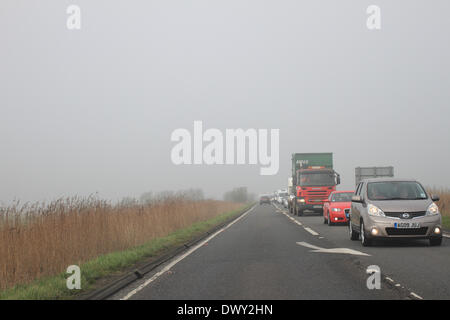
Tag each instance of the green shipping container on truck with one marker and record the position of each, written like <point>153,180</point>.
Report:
<point>305,160</point>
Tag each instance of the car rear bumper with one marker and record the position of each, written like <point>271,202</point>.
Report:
<point>337,217</point>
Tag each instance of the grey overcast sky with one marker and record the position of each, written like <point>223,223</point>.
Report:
<point>92,110</point>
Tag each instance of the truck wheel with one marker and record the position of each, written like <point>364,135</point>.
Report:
<point>435,242</point>
<point>353,235</point>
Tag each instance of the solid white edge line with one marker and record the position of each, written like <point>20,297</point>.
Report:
<point>181,257</point>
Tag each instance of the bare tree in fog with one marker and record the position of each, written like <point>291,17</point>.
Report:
<point>239,194</point>
<point>191,194</point>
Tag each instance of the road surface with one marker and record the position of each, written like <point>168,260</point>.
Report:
<point>270,254</point>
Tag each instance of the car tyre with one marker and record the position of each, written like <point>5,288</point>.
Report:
<point>362,235</point>
<point>329,221</point>
<point>353,235</point>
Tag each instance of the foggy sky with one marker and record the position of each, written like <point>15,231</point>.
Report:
<point>93,110</point>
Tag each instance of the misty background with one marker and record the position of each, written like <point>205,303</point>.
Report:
<point>93,110</point>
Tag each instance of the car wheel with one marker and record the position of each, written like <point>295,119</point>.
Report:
<point>362,235</point>
<point>329,221</point>
<point>353,235</point>
<point>435,241</point>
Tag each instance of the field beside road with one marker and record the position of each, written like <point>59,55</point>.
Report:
<point>39,241</point>
<point>444,204</point>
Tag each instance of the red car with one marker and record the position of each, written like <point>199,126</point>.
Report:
<point>336,208</point>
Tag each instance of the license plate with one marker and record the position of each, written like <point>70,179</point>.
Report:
<point>317,207</point>
<point>407,225</point>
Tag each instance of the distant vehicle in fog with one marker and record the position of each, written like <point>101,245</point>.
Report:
<point>291,192</point>
<point>284,202</point>
<point>281,194</point>
<point>394,208</point>
<point>264,199</point>
<point>336,208</point>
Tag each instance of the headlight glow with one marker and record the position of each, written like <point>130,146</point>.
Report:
<point>432,210</point>
<point>336,209</point>
<point>374,211</point>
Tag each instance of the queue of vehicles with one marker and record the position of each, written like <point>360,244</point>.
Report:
<point>381,206</point>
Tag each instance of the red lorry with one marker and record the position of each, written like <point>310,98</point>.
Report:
<point>314,179</point>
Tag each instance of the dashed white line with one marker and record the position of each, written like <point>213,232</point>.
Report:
<point>398,285</point>
<point>414,295</point>
<point>311,231</point>
<point>314,233</point>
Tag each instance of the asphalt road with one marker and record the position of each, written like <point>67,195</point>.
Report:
<point>270,254</point>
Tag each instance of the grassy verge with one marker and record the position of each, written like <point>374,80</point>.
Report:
<point>55,287</point>
<point>446,221</point>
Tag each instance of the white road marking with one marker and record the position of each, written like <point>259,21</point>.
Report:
<point>311,231</point>
<point>335,250</point>
<point>175,261</point>
<point>343,250</point>
<point>446,235</point>
<point>416,296</point>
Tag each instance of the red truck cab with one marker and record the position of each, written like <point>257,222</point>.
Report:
<point>314,186</point>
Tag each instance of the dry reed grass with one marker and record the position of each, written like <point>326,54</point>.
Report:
<point>444,202</point>
<point>43,239</point>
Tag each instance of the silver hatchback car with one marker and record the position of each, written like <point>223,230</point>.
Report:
<point>394,208</point>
